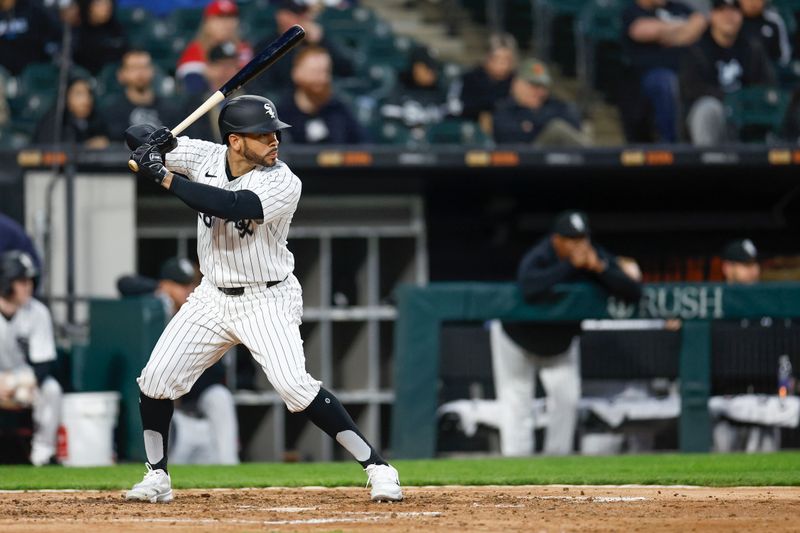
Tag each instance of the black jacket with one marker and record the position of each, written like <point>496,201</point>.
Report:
<point>539,271</point>
<point>513,123</point>
<point>708,69</point>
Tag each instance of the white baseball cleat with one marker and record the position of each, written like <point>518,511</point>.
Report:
<point>156,487</point>
<point>385,483</point>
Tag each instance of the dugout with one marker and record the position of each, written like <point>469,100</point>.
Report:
<point>474,213</point>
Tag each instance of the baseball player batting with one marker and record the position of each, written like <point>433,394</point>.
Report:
<point>245,198</point>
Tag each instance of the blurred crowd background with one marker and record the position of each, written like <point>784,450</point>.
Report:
<point>543,72</point>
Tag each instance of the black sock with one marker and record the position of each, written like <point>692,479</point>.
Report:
<point>156,417</point>
<point>327,412</point>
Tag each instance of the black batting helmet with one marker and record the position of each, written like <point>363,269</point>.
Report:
<point>249,114</point>
<point>15,265</point>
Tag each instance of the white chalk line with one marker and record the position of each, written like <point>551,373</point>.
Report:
<point>423,487</point>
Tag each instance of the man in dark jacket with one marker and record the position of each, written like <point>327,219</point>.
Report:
<point>138,102</point>
<point>533,116</point>
<point>489,83</point>
<point>766,24</point>
<point>723,61</point>
<point>654,34</point>
<point>519,349</point>
<point>317,116</point>
<point>287,14</point>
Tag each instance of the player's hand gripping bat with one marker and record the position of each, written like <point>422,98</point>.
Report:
<point>261,62</point>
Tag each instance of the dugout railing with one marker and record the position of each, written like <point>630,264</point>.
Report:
<point>423,310</point>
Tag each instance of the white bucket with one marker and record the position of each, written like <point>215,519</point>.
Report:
<point>88,419</point>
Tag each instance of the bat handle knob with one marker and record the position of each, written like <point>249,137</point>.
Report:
<point>133,166</point>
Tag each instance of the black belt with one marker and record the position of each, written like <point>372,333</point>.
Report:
<point>238,291</point>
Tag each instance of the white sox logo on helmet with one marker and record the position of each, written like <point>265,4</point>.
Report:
<point>269,110</point>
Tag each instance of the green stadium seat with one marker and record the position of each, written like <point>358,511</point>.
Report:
<point>28,108</point>
<point>545,14</point>
<point>186,21</point>
<point>38,76</point>
<point>351,27</point>
<point>757,113</point>
<point>158,38</point>
<point>390,132</point>
<point>388,50</point>
<point>132,18</point>
<point>107,83</point>
<point>599,26</point>
<point>454,131</point>
<point>257,21</point>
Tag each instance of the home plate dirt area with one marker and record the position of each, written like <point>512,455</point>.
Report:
<point>498,508</point>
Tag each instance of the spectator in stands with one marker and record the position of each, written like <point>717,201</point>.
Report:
<point>220,24</point>
<point>223,63</point>
<point>317,116</point>
<point>80,123</point>
<point>209,398</point>
<point>100,38</point>
<point>289,13</point>
<point>553,350</point>
<point>765,23</point>
<point>138,103</point>
<point>419,99</point>
<point>655,33</point>
<point>532,115</point>
<point>28,34</point>
<point>489,83</point>
<point>723,61</point>
<point>28,354</point>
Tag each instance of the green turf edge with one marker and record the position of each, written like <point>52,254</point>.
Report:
<point>715,470</point>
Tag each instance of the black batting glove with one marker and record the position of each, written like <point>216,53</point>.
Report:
<point>163,139</point>
<point>151,163</point>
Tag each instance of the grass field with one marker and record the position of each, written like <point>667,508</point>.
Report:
<point>712,470</point>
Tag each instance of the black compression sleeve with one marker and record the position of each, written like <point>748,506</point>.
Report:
<point>230,205</point>
<point>42,370</point>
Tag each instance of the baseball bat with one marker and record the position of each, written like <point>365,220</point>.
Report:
<point>261,62</point>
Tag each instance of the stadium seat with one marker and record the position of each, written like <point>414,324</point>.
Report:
<point>350,27</point>
<point>133,18</point>
<point>389,50</point>
<point>598,29</point>
<point>38,76</point>
<point>29,107</point>
<point>256,21</point>
<point>107,83</point>
<point>454,131</point>
<point>159,39</point>
<point>548,28</point>
<point>186,21</point>
<point>390,132</point>
<point>757,113</point>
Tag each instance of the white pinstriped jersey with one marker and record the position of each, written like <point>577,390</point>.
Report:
<point>244,252</point>
<point>28,336</point>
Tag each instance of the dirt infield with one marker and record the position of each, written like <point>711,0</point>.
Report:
<point>531,508</point>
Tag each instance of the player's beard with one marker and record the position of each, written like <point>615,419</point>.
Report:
<point>257,159</point>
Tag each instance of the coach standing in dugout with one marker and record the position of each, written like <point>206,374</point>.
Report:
<point>519,349</point>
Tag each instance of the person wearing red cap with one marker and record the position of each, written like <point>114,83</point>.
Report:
<point>220,24</point>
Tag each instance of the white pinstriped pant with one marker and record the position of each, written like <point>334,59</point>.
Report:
<point>265,320</point>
